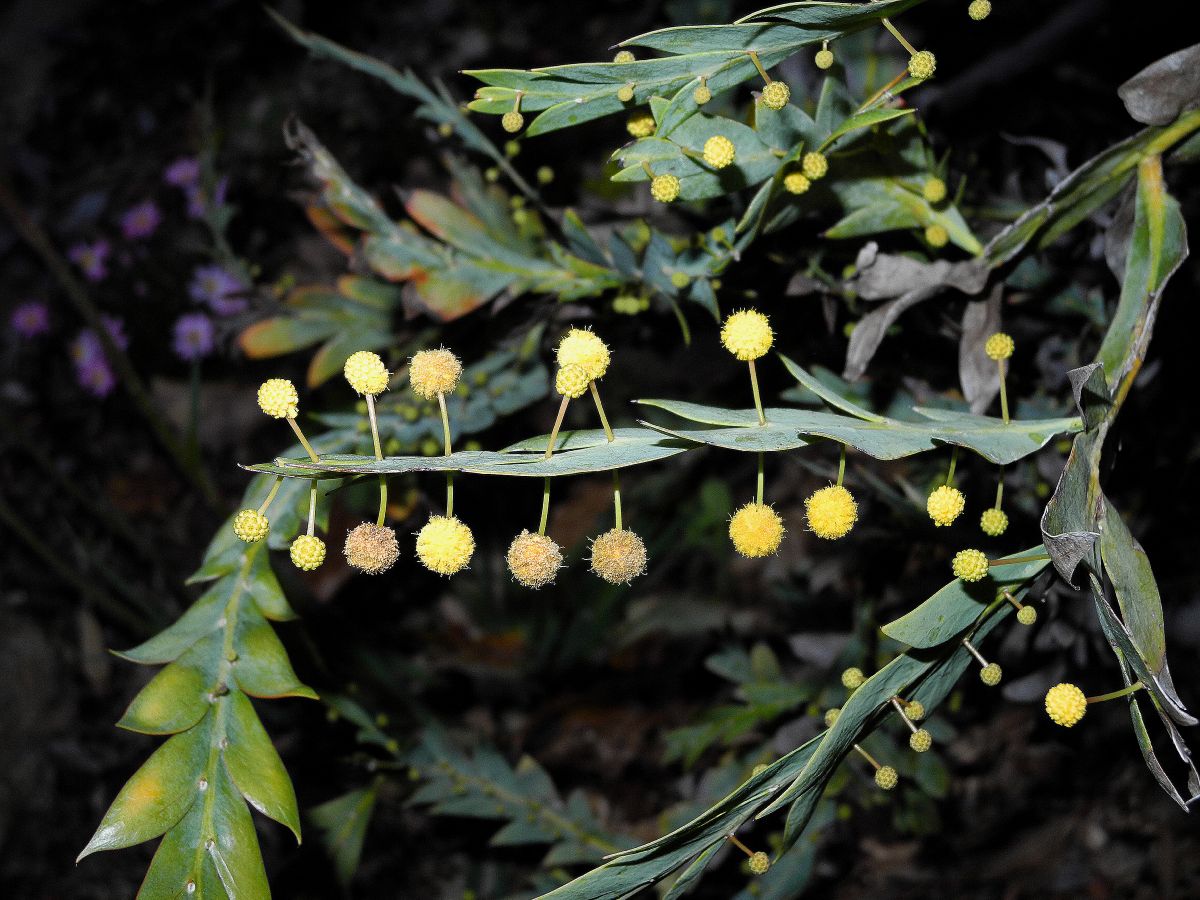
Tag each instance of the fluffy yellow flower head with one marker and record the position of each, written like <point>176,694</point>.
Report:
<point>702,94</point>
<point>624,56</point>
<point>307,552</point>
<point>886,777</point>
<point>1065,704</point>
<point>814,165</point>
<point>572,381</point>
<point>277,397</point>
<point>994,522</point>
<point>251,526</point>
<point>366,372</point>
<point>718,151</point>
<point>434,372</point>
<point>759,863</point>
<point>831,716</point>
<point>534,559</point>
<point>937,236</point>
<point>831,512</point>
<point>824,58</point>
<point>970,565</point>
<point>922,64</point>
<point>371,548</point>
<point>512,121</point>
<point>664,188</point>
<point>915,710</point>
<point>1027,615</point>
<point>618,556</point>
<point>756,530</point>
<point>945,505</point>
<point>640,124</point>
<point>625,93</point>
<point>775,95</point>
<point>990,674</point>
<point>853,678</point>
<point>796,183</point>
<point>999,346</point>
<point>582,347</point>
<point>934,190</point>
<point>445,545</point>
<point>979,10</point>
<point>920,740</point>
<point>747,333</point>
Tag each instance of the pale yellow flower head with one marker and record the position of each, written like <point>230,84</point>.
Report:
<point>584,348</point>
<point>999,346</point>
<point>776,95</point>
<point>886,777</point>
<point>747,333</point>
<point>640,124</point>
<point>372,548</point>
<point>831,512</point>
<point>756,530</point>
<point>618,556</point>
<point>1065,704</point>
<point>534,559</point>
<point>970,565</point>
<point>945,504</point>
<point>572,381</point>
<point>993,522</point>
<point>445,545</point>
<point>664,188</point>
<point>277,397</point>
<point>366,372</point>
<point>251,526</point>
<point>814,165</point>
<point>921,65</point>
<point>719,151</point>
<point>307,552</point>
<point>434,372</point>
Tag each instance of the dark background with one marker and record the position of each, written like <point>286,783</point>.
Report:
<point>98,97</point>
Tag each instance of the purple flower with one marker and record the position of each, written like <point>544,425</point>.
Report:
<point>30,319</point>
<point>218,287</point>
<point>92,259</point>
<point>86,349</point>
<point>193,336</point>
<point>184,172</point>
<point>141,221</point>
<point>199,201</point>
<point>96,376</point>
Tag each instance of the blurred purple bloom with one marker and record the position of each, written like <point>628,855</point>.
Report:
<point>198,200</point>
<point>182,173</point>
<point>92,259</point>
<point>87,349</point>
<point>218,287</point>
<point>141,221</point>
<point>193,336</point>
<point>30,319</point>
<point>96,376</point>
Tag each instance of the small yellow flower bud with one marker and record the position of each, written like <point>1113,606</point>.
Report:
<point>641,124</point>
<point>1065,704</point>
<point>583,347</point>
<point>979,10</point>
<point>920,740</point>
<point>831,716</point>
<point>831,512</point>
<point>624,56</point>
<point>277,397</point>
<point>759,863</point>
<point>934,190</point>
<point>625,93</point>
<point>990,674</point>
<point>533,559</point>
<point>796,183</point>
<point>747,333</point>
<point>944,505</point>
<point>1027,615</point>
<point>307,552</point>
<point>853,678</point>
<point>680,280</point>
<point>718,151</point>
<point>775,95</point>
<point>445,129</point>
<point>434,372</point>
<point>445,545</point>
<point>366,372</point>
<point>921,65</point>
<point>999,346</point>
<point>886,777</point>
<point>937,236</point>
<point>994,522</point>
<point>664,188</point>
<point>756,530</point>
<point>915,710</point>
<point>824,58</point>
<point>572,381</point>
<point>702,95</point>
<point>372,549</point>
<point>618,556</point>
<point>251,526</point>
<point>970,565</point>
<point>814,165</point>
<point>545,174</point>
<point>512,121</point>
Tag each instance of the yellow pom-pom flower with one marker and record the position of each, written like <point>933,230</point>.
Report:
<point>937,236</point>
<point>624,56</point>
<point>307,552</point>
<point>702,94</point>
<point>853,678</point>
<point>831,512</point>
<point>920,740</point>
<point>776,95</point>
<point>796,183</point>
<point>718,151</point>
<point>945,505</point>
<point>999,346</point>
<point>640,124</point>
<point>934,190</point>
<point>371,548</point>
<point>756,530</point>
<point>994,522</point>
<point>445,545</point>
<point>886,777</point>
<point>512,121</point>
<point>979,10</point>
<point>664,188</point>
<point>824,58</point>
<point>584,348</point>
<point>251,526</point>
<point>434,372</point>
<point>970,565</point>
<point>366,372</point>
<point>759,863</point>
<point>625,93</point>
<point>914,710</point>
<point>533,559</point>
<point>747,333</point>
<point>991,674</point>
<point>831,717</point>
<point>618,556</point>
<point>921,65</point>
<point>277,397</point>
<point>572,381</point>
<point>814,165</point>
<point>1065,704</point>
<point>1027,615</point>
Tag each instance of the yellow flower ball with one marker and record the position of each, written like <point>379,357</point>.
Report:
<point>814,165</point>
<point>366,372</point>
<point>251,526</point>
<point>371,548</point>
<point>937,236</point>
<point>796,183</point>
<point>307,552</point>
<point>1027,615</point>
<point>922,64</point>
<point>640,124</point>
<point>920,740</point>
<point>747,333</point>
<point>545,175</point>
<point>718,151</point>
<point>999,346</point>
<point>277,397</point>
<point>445,545</point>
<point>934,190</point>
<point>990,674</point>
<point>618,556</point>
<point>994,522</point>
<point>512,121</point>
<point>886,777</point>
<point>945,504</point>
<point>1065,704</point>
<point>775,95</point>
<point>970,565</point>
<point>583,347</point>
<point>759,863</point>
<point>979,10</point>
<point>831,512</point>
<point>572,381</point>
<point>831,717</point>
<point>624,56</point>
<point>702,94</point>
<point>625,93</point>
<point>824,58</point>
<point>756,530</point>
<point>853,678</point>
<point>915,710</point>
<point>434,372</point>
<point>664,188</point>
<point>533,559</point>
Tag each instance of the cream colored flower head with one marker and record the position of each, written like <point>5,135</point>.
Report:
<point>366,373</point>
<point>434,372</point>
<point>584,348</point>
